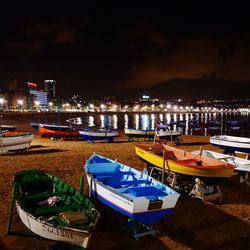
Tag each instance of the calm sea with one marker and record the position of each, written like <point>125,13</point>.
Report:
<point>237,124</point>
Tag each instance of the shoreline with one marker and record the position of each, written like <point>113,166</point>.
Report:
<point>192,225</point>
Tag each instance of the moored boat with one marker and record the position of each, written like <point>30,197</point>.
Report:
<point>99,134</point>
<point>139,133</point>
<point>57,134</point>
<point>129,191</point>
<point>168,134</point>
<point>183,162</point>
<point>12,140</point>
<point>52,209</point>
<point>34,125</point>
<point>55,127</point>
<point>231,143</point>
<point>8,127</point>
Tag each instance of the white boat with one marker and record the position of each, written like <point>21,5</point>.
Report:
<point>8,127</point>
<point>231,143</point>
<point>129,191</point>
<point>99,134</point>
<point>52,209</point>
<point>167,134</point>
<point>239,163</point>
<point>139,133</point>
<point>15,141</point>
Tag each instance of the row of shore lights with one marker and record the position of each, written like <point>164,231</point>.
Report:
<point>135,108</point>
<point>20,102</point>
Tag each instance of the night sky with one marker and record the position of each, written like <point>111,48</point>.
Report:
<point>124,50</point>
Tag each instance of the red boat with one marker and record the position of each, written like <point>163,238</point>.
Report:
<point>57,134</point>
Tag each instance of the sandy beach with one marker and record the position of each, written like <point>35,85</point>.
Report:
<point>193,225</point>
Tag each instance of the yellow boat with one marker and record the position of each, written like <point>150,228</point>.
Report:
<point>182,162</point>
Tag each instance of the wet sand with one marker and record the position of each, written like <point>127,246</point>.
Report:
<point>193,225</point>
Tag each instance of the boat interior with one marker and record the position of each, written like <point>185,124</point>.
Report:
<point>47,196</point>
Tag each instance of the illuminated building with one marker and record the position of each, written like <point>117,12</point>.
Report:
<point>50,88</point>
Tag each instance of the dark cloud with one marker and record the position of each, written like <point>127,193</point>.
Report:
<point>202,57</point>
<point>121,46</point>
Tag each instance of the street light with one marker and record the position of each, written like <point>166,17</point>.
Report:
<point>37,104</point>
<point>1,102</point>
<point>50,105</point>
<point>20,103</point>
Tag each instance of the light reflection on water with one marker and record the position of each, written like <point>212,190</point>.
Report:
<point>146,121</point>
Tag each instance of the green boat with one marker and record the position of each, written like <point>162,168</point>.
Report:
<point>52,209</point>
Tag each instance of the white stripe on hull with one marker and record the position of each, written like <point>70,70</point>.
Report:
<point>138,132</point>
<point>98,133</point>
<point>130,205</point>
<point>231,141</point>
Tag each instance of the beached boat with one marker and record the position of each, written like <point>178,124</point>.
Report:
<point>12,140</point>
<point>168,134</point>
<point>34,125</point>
<point>99,134</point>
<point>51,132</point>
<point>231,143</point>
<point>139,133</point>
<point>239,163</point>
<point>52,209</point>
<point>182,162</point>
<point>55,127</point>
<point>129,191</point>
<point>8,127</point>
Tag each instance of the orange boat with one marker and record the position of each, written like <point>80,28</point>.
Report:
<point>182,162</point>
<point>50,133</point>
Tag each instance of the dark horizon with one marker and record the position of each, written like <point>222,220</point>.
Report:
<point>96,50</point>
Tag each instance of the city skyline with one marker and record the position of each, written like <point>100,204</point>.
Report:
<point>125,51</point>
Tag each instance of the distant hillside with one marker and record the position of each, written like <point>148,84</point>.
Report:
<point>196,88</point>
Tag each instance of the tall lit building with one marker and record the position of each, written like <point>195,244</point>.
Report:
<point>36,95</point>
<point>50,88</point>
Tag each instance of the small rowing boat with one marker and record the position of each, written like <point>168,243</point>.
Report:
<point>231,143</point>
<point>12,140</point>
<point>52,209</point>
<point>182,162</point>
<point>129,191</point>
<point>239,163</point>
<point>99,134</point>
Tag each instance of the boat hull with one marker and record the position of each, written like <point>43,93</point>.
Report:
<point>8,127</point>
<point>231,143</point>
<point>136,133</point>
<point>49,133</point>
<point>67,235</point>
<point>95,136</point>
<point>15,141</point>
<point>125,206</point>
<point>168,134</point>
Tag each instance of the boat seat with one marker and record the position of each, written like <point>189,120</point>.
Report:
<point>169,155</point>
<point>190,162</point>
<point>54,210</point>
<point>106,169</point>
<point>146,191</point>
<point>119,183</point>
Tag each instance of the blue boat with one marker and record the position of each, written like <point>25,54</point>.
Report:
<point>99,134</point>
<point>34,125</point>
<point>129,191</point>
